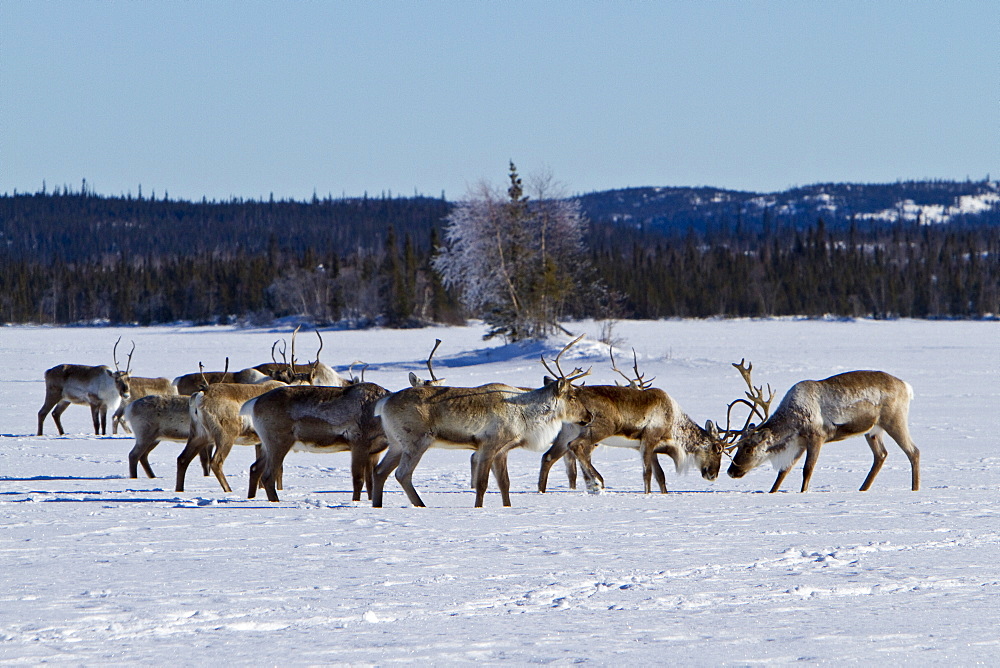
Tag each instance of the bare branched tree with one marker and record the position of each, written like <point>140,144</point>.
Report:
<point>306,292</point>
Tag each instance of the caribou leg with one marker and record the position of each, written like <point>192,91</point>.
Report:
<point>57,415</point>
<point>569,459</point>
<point>900,433</point>
<point>138,456</point>
<point>482,477</point>
<point>360,471</point>
<point>781,474</point>
<point>51,399</point>
<point>552,455</point>
<point>370,473</point>
<point>583,450</point>
<point>193,447</point>
<point>256,475</point>
<point>502,477</point>
<point>388,464</point>
<point>218,459</point>
<point>404,476</point>
<point>879,454</point>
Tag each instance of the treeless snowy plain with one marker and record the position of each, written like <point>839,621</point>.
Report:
<point>97,568</point>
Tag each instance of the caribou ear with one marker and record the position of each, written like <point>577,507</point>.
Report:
<point>414,381</point>
<point>712,430</point>
<point>548,379</point>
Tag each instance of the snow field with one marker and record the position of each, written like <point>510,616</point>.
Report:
<point>97,568</point>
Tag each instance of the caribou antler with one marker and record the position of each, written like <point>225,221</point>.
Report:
<point>754,401</point>
<point>291,365</point>
<point>314,366</point>
<point>350,371</point>
<point>114,355</point>
<point>643,384</point>
<point>283,351</point>
<point>430,369</point>
<point>614,367</point>
<point>204,381</point>
<point>576,374</point>
<point>639,382</point>
<point>300,376</point>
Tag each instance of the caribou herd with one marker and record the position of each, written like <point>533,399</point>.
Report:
<point>284,406</point>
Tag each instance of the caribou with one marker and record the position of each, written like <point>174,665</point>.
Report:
<point>314,373</point>
<point>636,416</point>
<point>216,421</point>
<point>816,412</point>
<point>190,383</point>
<point>94,386</point>
<point>490,419</point>
<point>434,381</point>
<point>316,419</point>
<point>140,387</point>
<point>156,418</point>
<point>650,421</point>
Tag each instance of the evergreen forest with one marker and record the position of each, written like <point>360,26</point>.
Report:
<point>79,257</point>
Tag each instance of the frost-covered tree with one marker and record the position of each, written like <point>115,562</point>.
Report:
<point>514,261</point>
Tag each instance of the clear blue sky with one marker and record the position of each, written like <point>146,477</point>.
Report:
<point>246,99</point>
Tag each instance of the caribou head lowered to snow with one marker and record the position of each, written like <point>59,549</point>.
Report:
<point>636,416</point>
<point>815,412</point>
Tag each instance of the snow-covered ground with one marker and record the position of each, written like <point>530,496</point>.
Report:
<point>96,568</point>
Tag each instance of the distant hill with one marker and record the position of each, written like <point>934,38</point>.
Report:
<point>677,209</point>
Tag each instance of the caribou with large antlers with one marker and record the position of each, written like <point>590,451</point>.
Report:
<point>314,373</point>
<point>490,419</point>
<point>640,417</point>
<point>94,386</point>
<point>815,412</point>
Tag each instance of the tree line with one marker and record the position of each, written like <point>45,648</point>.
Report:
<point>880,271</point>
<point>75,257</point>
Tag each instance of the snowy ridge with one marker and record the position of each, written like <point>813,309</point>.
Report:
<point>929,202</point>
<point>909,211</point>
